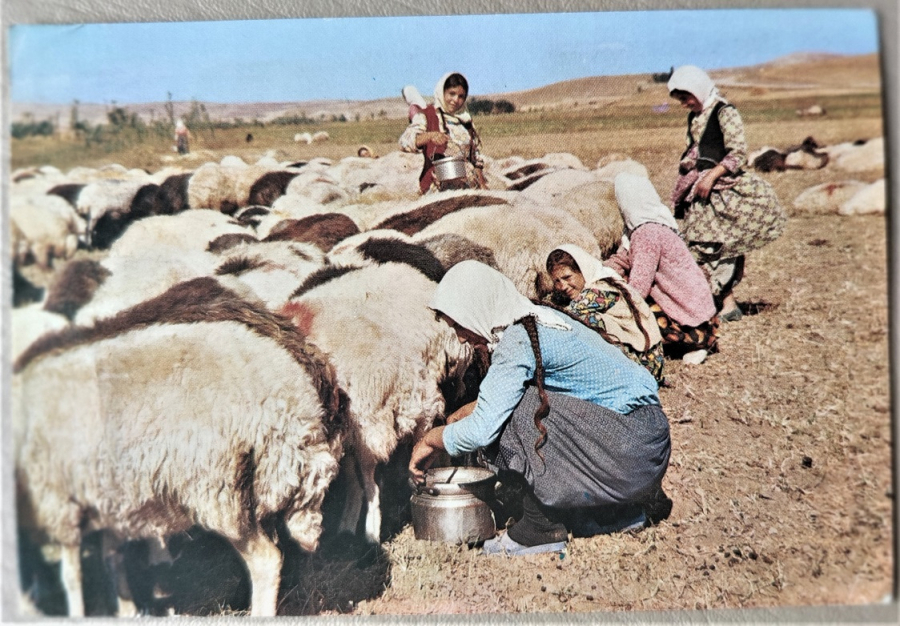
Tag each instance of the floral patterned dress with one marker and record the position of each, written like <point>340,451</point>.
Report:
<point>590,307</point>
<point>742,212</point>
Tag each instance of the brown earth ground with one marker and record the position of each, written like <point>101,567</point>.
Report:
<point>781,460</point>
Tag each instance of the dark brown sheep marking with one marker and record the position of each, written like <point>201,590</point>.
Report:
<point>525,170</point>
<point>68,192</point>
<point>770,161</point>
<point>418,219</point>
<point>395,251</point>
<point>450,249</point>
<point>75,286</point>
<point>270,186</point>
<point>172,196</point>
<point>323,230</point>
<point>526,182</point>
<point>322,276</point>
<point>228,241</point>
<point>243,484</point>
<point>239,265</point>
<point>205,300</point>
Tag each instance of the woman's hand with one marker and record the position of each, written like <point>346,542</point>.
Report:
<point>424,452</point>
<point>462,412</point>
<point>436,137</point>
<point>708,180</point>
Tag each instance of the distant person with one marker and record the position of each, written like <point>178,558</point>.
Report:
<point>661,269</point>
<point>182,135</point>
<point>727,212</point>
<point>445,129</point>
<point>249,137</point>
<point>595,295</point>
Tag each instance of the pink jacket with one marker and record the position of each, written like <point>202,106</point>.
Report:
<point>659,264</point>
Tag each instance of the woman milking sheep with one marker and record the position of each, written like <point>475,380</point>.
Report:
<point>560,407</point>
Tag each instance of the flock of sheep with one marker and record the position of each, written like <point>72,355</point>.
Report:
<point>252,330</point>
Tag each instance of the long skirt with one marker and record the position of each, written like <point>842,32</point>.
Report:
<point>592,456</point>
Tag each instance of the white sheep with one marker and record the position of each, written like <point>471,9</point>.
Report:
<point>520,237</point>
<point>870,199</point>
<point>391,354</point>
<point>303,138</point>
<point>321,135</point>
<point>145,431</point>
<point>826,197</point>
<point>192,229</point>
<point>44,227</point>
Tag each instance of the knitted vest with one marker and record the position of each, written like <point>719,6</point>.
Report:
<point>712,142</point>
<point>431,151</point>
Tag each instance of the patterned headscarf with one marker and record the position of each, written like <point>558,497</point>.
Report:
<point>591,268</point>
<point>695,81</point>
<point>639,202</point>
<point>463,114</point>
<point>484,301</point>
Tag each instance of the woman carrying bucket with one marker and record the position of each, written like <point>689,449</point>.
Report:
<point>444,130</point>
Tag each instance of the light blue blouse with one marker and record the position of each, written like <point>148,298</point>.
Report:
<point>578,362</point>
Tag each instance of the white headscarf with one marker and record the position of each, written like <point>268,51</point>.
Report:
<point>695,81</point>
<point>463,113</point>
<point>639,202</point>
<point>591,268</point>
<point>484,301</point>
<point>179,124</point>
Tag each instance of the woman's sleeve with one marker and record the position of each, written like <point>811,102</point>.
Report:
<point>512,365</point>
<point>592,302</point>
<point>408,139</point>
<point>735,143</point>
<point>620,262</point>
<point>646,250</point>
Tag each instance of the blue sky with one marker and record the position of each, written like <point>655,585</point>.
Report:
<point>369,58</point>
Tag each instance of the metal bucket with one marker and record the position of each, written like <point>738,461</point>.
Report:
<point>452,506</point>
<point>450,168</point>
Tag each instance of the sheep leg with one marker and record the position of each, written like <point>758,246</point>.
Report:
<point>263,559</point>
<point>367,465</point>
<point>70,570</point>
<point>115,566</point>
<point>353,502</point>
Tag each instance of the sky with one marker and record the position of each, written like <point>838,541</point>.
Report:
<point>296,60</point>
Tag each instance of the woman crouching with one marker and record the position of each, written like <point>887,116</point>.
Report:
<point>561,407</point>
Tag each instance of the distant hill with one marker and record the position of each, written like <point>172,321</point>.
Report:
<point>801,71</point>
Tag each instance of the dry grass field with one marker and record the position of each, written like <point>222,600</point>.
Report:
<point>782,442</point>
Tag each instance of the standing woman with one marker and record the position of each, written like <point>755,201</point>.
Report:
<point>727,212</point>
<point>445,129</point>
<point>559,406</point>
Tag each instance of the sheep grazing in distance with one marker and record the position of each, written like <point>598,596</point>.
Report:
<point>870,199</point>
<point>303,138</point>
<point>323,230</point>
<point>811,111</point>
<point>391,355</point>
<point>320,136</point>
<point>147,424</point>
